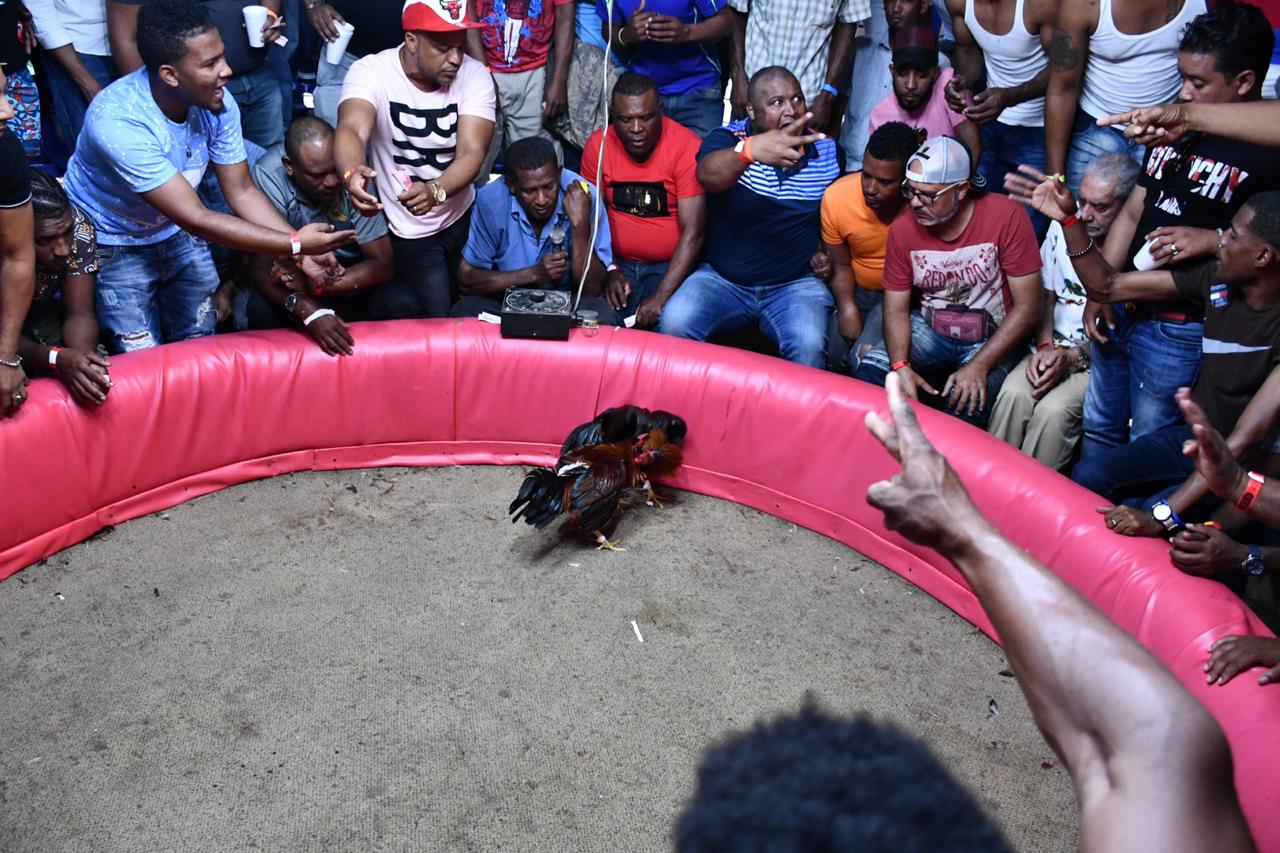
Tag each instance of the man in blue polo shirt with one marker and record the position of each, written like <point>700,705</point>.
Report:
<point>534,230</point>
<point>764,176</point>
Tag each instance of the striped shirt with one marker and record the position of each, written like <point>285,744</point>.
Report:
<point>764,228</point>
<point>796,34</point>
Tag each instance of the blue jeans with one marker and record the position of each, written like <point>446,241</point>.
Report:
<point>843,357</point>
<point>645,276</point>
<point>792,314</point>
<point>1148,465</point>
<point>701,110</point>
<point>329,79</point>
<point>1005,147</point>
<point>935,357</point>
<point>69,105</point>
<point>1088,141</point>
<point>161,292</point>
<point>1134,377</point>
<point>257,93</point>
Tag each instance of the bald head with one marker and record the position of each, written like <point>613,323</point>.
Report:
<point>303,130</point>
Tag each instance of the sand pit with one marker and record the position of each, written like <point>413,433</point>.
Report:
<point>379,660</point>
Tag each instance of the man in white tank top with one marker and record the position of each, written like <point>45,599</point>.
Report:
<point>1108,56</point>
<point>1008,41</point>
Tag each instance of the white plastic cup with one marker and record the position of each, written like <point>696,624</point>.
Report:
<point>336,49</point>
<point>254,19</point>
<point>1144,260</point>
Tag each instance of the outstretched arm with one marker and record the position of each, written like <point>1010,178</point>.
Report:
<point>1150,766</point>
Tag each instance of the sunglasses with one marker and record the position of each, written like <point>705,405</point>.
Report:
<point>910,193</point>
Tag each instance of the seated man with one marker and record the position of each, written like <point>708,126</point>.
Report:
<point>534,230</point>
<point>856,213</point>
<point>60,334</point>
<point>765,176</point>
<point>304,185</point>
<point>147,140</point>
<point>1041,404</point>
<point>657,208</point>
<point>919,92</point>
<point>962,286</point>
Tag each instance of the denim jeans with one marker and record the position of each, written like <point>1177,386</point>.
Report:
<point>329,80</point>
<point>645,276</point>
<point>257,93</point>
<point>1005,147</point>
<point>1140,469</point>
<point>793,314</point>
<point>935,357</point>
<point>69,105</point>
<point>843,357</point>
<point>1088,141</point>
<point>161,292</point>
<point>1134,377</point>
<point>701,110</point>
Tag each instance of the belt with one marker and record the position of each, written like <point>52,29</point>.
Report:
<point>1149,312</point>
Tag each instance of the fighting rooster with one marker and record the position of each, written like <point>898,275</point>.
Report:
<point>624,422</point>
<point>587,483</point>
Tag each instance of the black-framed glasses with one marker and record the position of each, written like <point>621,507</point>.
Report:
<point>909,192</point>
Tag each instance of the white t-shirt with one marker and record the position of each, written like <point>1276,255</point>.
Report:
<point>1064,287</point>
<point>417,132</point>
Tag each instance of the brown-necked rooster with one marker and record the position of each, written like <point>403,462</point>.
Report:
<point>586,485</point>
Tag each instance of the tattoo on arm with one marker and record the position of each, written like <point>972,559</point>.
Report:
<point>1063,52</point>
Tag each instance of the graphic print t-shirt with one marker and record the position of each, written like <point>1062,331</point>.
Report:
<point>970,273</point>
<point>417,132</point>
<point>83,260</point>
<point>517,33</point>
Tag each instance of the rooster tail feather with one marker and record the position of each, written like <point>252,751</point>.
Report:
<point>540,499</point>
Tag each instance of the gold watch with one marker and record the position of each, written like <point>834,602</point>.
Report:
<point>437,191</point>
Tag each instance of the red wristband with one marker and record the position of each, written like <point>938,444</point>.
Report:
<point>295,244</point>
<point>898,365</point>
<point>1251,489</point>
<point>53,357</point>
<point>1044,346</point>
<point>1069,221</point>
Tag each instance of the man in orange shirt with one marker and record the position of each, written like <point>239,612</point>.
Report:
<point>856,213</point>
<point>657,209</point>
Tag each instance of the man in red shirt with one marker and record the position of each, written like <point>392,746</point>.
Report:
<point>962,286</point>
<point>657,209</point>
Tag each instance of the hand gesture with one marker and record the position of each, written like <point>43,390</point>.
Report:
<point>84,374</point>
<point>667,29</point>
<point>325,19</point>
<point>417,199</point>
<point>987,105</point>
<point>649,312</point>
<point>957,93</point>
<point>1129,521</point>
<point>1232,655</point>
<point>363,200</point>
<point>1214,462</point>
<point>1098,315</point>
<point>1150,125</point>
<point>925,502</point>
<point>820,263</point>
<point>1206,551</point>
<point>13,390</point>
<point>1046,193</point>
<point>913,383</point>
<point>322,272</point>
<point>1047,368</point>
<point>966,389</point>
<point>617,289</point>
<point>272,29</point>
<point>641,23</point>
<point>551,267</point>
<point>785,146</point>
<point>1182,243</point>
<point>577,205</point>
<point>319,238</point>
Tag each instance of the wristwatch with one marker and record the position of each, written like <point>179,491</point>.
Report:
<point>437,191</point>
<point>1164,514</point>
<point>1253,564</point>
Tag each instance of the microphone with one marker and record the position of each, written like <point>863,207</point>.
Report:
<point>557,239</point>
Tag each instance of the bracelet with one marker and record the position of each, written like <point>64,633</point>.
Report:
<point>611,268</point>
<point>621,41</point>
<point>1251,490</point>
<point>17,362</point>
<point>295,244</point>
<point>831,90</point>
<point>53,356</point>
<point>1086,250</point>
<point>316,315</point>
<point>1069,221</point>
<point>1044,346</point>
<point>746,155</point>
<point>898,365</point>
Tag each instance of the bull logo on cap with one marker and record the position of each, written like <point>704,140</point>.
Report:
<point>453,7</point>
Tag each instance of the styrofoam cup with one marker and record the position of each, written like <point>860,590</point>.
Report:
<point>1144,260</point>
<point>254,18</point>
<point>336,49</point>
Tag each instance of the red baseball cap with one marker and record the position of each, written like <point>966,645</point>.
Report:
<point>436,16</point>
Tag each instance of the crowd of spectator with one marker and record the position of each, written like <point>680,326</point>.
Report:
<point>939,190</point>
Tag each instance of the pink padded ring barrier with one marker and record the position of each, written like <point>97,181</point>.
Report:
<point>194,417</point>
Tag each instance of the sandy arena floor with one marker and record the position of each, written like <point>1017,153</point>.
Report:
<point>379,660</point>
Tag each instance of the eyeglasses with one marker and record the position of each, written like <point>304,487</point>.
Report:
<point>911,192</point>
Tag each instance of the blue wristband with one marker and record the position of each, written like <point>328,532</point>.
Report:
<point>831,90</point>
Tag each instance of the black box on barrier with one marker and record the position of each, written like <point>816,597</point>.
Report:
<point>531,313</point>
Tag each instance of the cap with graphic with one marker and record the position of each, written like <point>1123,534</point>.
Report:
<point>941,160</point>
<point>436,16</point>
<point>917,46</point>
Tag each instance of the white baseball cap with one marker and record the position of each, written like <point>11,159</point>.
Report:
<point>941,160</point>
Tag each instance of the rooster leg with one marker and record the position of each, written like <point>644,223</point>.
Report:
<point>651,496</point>
<point>606,544</point>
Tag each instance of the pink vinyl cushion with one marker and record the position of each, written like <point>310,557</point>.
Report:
<point>190,418</point>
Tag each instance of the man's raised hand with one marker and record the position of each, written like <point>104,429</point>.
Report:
<point>1214,461</point>
<point>320,238</point>
<point>785,146</point>
<point>357,190</point>
<point>1150,125</point>
<point>1048,194</point>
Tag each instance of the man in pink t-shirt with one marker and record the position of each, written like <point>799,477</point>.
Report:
<point>962,288</point>
<point>424,110</point>
<point>919,97</point>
